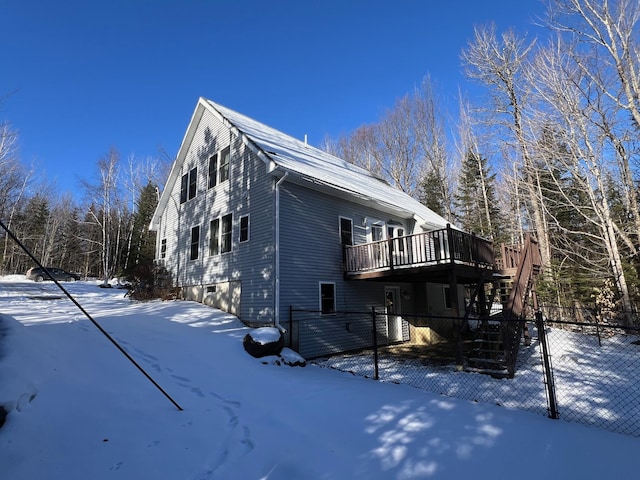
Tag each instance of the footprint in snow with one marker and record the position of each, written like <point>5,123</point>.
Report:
<point>235,403</point>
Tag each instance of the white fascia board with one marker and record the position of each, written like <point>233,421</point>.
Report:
<point>241,135</point>
<point>339,192</point>
<point>177,165</point>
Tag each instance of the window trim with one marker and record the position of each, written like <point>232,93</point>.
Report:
<point>213,172</point>
<point>214,237</point>
<point>376,224</point>
<point>220,239</point>
<point>246,229</point>
<point>217,169</point>
<point>226,236</point>
<point>189,185</point>
<point>193,183</point>
<point>184,188</point>
<point>320,298</point>
<point>225,154</point>
<point>195,243</point>
<point>446,292</point>
<point>350,220</point>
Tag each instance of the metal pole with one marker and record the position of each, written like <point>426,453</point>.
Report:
<point>375,344</point>
<point>97,325</point>
<point>546,360</point>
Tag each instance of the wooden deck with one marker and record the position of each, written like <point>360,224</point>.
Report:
<point>430,255</point>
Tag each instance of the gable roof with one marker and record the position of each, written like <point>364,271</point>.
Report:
<point>283,153</point>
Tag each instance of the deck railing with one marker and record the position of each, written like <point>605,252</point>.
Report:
<point>422,249</point>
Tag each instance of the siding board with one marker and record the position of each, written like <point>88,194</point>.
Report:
<point>249,191</point>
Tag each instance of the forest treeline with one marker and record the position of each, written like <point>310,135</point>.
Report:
<point>550,148</point>
<point>102,233</point>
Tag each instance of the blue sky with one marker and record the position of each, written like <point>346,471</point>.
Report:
<point>82,76</point>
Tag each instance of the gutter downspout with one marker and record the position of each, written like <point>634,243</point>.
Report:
<point>277,258</point>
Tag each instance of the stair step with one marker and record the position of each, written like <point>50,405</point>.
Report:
<point>492,361</point>
<point>484,350</point>
<point>490,342</point>
<point>489,371</point>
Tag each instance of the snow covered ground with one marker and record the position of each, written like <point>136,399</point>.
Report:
<point>78,409</point>
<point>595,384</point>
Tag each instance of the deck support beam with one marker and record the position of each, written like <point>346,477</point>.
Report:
<point>457,322</point>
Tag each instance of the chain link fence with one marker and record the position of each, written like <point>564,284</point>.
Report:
<point>596,374</point>
<point>586,372</point>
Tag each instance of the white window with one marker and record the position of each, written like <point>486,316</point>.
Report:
<point>195,242</point>
<point>225,233</point>
<point>244,228</point>
<point>219,167</point>
<point>189,185</point>
<point>220,229</point>
<point>213,171</point>
<point>346,231</point>
<point>376,230</point>
<point>223,171</point>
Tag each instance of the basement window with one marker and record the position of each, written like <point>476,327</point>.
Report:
<point>327,298</point>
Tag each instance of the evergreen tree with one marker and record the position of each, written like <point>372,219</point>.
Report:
<point>34,220</point>
<point>475,200</point>
<point>143,241</point>
<point>576,250</point>
<point>431,192</point>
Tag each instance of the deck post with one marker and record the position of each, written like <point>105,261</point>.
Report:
<point>457,321</point>
<point>450,244</point>
<point>375,344</point>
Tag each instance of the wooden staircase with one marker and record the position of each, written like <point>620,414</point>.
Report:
<point>497,339</point>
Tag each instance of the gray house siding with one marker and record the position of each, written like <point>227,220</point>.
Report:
<point>311,252</point>
<point>315,192</point>
<point>248,268</point>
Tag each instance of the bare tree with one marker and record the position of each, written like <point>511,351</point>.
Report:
<point>14,183</point>
<point>437,163</point>
<point>105,211</point>
<point>576,105</point>
<point>358,148</point>
<point>405,145</point>
<point>398,153</point>
<point>500,65</point>
<point>469,147</point>
<point>605,38</point>
<point>10,180</point>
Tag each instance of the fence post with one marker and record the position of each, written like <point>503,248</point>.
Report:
<point>375,344</point>
<point>546,360</point>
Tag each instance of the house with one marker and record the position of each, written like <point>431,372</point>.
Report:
<point>258,223</point>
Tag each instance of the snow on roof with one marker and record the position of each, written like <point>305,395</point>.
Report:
<point>322,168</point>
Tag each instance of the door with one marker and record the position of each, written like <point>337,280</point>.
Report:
<point>392,310</point>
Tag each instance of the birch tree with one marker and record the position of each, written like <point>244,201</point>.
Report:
<point>436,188</point>
<point>105,212</point>
<point>605,39</point>
<point>500,65</point>
<point>571,100</point>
